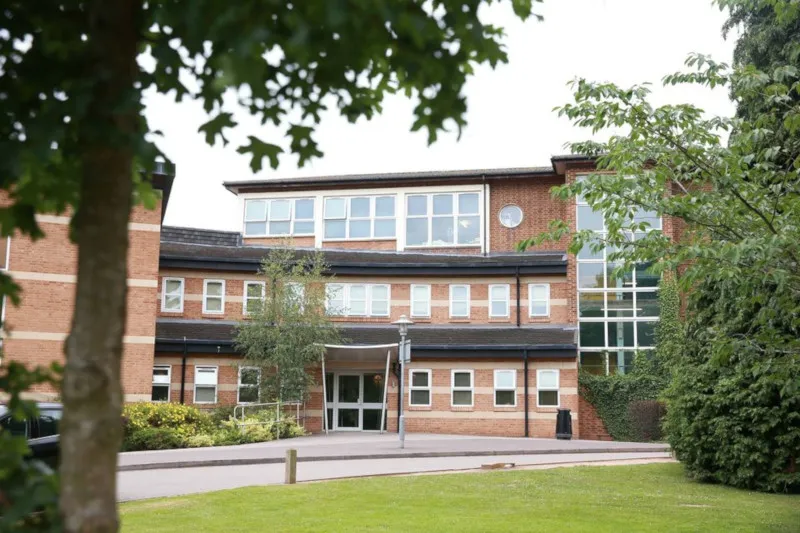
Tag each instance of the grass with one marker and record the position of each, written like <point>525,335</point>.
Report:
<point>598,499</point>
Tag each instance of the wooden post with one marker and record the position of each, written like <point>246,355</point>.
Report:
<point>291,467</point>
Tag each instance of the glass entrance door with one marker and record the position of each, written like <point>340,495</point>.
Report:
<point>359,401</point>
<point>348,402</point>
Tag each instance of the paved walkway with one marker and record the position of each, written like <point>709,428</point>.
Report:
<point>137,485</point>
<point>363,446</point>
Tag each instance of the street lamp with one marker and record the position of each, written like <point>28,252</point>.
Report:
<point>402,326</point>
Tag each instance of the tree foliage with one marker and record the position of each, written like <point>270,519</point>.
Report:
<point>286,333</point>
<point>734,211</point>
<point>73,138</point>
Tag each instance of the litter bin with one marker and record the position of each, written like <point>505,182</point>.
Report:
<point>564,425</point>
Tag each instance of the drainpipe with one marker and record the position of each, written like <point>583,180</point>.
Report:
<point>183,369</point>
<point>485,216</point>
<point>525,381</point>
<point>519,319</point>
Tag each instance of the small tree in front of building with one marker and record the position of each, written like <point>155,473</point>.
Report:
<point>287,325</point>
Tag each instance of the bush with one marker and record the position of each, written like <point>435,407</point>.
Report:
<point>645,418</point>
<point>153,439</point>
<point>733,408</point>
<point>201,440</point>
<point>186,420</point>
<point>221,414</point>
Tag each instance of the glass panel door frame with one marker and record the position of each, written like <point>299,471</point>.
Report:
<point>359,405</point>
<point>338,404</point>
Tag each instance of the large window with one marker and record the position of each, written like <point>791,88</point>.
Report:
<point>249,381</point>
<point>205,384</point>
<point>419,388</point>
<point>161,383</point>
<point>357,299</point>
<point>461,388</point>
<point>617,311</point>
<point>359,217</point>
<point>172,295</point>
<point>289,216</point>
<point>443,219</point>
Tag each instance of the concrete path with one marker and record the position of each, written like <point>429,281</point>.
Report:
<point>142,484</point>
<point>351,446</point>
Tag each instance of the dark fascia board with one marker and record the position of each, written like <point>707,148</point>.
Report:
<point>421,269</point>
<point>387,180</point>
<point>544,351</point>
<point>491,353</point>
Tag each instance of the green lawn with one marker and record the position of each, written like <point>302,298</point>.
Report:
<point>615,499</point>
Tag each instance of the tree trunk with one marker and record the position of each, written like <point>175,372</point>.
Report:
<point>92,393</point>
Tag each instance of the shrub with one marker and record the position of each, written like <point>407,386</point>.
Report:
<point>186,420</point>
<point>221,414</point>
<point>200,440</point>
<point>733,407</point>
<point>153,439</point>
<point>645,418</point>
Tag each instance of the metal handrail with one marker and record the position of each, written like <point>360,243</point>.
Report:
<point>278,405</point>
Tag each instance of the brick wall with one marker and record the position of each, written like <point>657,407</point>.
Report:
<point>46,273</point>
<point>591,426</point>
<point>532,195</point>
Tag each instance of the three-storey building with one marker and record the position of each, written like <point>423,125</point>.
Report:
<point>498,335</point>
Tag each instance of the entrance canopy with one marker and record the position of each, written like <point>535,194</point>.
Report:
<point>358,354</point>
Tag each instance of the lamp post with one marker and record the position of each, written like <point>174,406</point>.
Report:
<point>402,326</point>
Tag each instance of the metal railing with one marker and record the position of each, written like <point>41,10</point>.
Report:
<point>279,406</point>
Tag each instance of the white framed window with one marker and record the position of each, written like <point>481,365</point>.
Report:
<point>419,388</point>
<point>172,295</point>
<point>278,217</point>
<point>254,292</point>
<point>357,299</point>
<point>421,301</point>
<point>359,217</point>
<point>214,296</point>
<point>505,388</point>
<point>539,299</point>
<point>205,384</point>
<point>161,383</point>
<point>547,388</point>
<point>461,388</point>
<point>249,381</point>
<point>499,301</point>
<point>446,219</point>
<point>459,301</point>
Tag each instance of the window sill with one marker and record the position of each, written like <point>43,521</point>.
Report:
<point>420,408</point>
<point>504,408</point>
<point>462,409</point>
<point>454,246</point>
<point>500,320</point>
<point>459,320</point>
<point>364,239</point>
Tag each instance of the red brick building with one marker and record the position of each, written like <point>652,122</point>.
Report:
<point>495,341</point>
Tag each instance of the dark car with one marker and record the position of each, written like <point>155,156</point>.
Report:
<point>41,432</point>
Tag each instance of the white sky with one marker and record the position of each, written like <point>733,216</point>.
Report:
<point>510,117</point>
